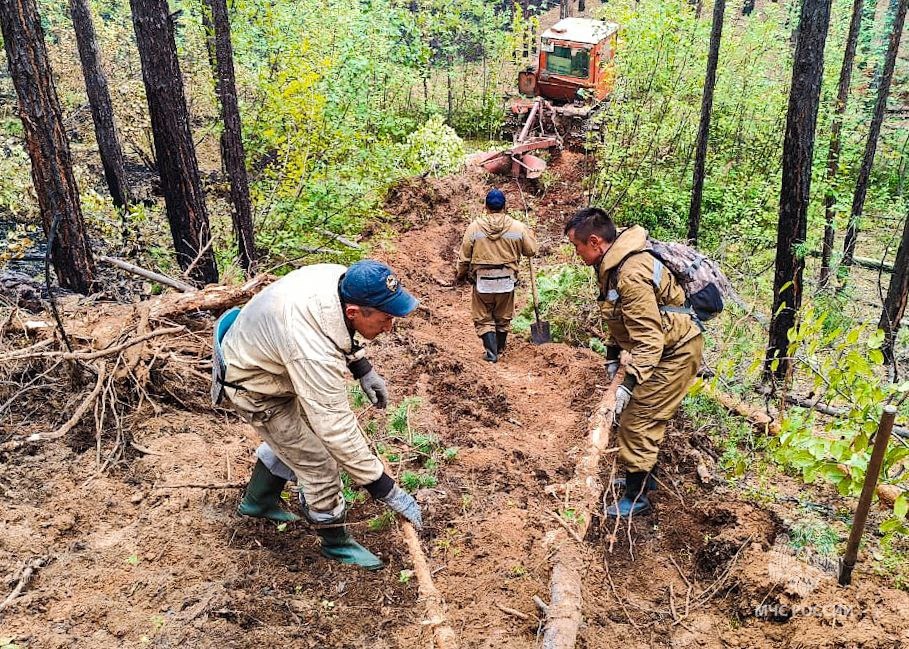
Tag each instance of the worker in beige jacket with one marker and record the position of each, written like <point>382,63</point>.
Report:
<point>490,252</point>
<point>283,361</point>
<point>643,306</point>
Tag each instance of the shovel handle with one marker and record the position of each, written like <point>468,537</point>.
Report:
<point>533,289</point>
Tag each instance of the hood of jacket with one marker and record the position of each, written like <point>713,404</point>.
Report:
<point>494,224</point>
<point>629,240</point>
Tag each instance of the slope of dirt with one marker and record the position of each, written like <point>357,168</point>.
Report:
<point>135,560</point>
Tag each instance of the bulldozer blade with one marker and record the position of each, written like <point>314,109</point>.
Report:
<point>539,332</point>
<point>533,166</point>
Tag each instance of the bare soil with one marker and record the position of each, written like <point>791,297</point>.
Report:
<point>134,562</point>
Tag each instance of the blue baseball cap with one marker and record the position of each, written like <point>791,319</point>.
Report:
<point>495,199</point>
<point>371,283</point>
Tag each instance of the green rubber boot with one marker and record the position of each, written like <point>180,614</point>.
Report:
<point>263,497</point>
<point>338,544</point>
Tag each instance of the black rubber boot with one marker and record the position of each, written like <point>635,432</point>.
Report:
<point>501,339</point>
<point>651,480</point>
<point>634,501</point>
<point>263,496</point>
<point>491,345</point>
<point>338,544</point>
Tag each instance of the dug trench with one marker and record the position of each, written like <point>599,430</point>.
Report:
<point>131,558</point>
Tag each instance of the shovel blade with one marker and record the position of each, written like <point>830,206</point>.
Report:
<point>539,332</point>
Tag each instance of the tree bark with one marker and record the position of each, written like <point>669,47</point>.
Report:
<point>99,99</point>
<point>45,139</point>
<point>836,128</point>
<point>176,158</point>
<point>798,150</point>
<point>700,160</point>
<point>877,119</point>
<point>232,151</point>
<point>895,303</point>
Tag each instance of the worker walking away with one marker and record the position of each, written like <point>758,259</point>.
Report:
<point>283,362</point>
<point>646,314</point>
<point>490,253</point>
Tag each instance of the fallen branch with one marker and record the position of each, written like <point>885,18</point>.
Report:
<point>22,580</point>
<point>758,418</point>
<point>510,611</point>
<point>88,356</point>
<point>204,485</point>
<point>435,607</point>
<point>148,274</point>
<point>211,298</point>
<point>564,616</point>
<point>825,409</point>
<point>77,416</point>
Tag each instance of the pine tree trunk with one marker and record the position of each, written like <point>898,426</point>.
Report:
<point>798,150</point>
<point>45,139</point>
<point>176,157</point>
<point>895,304</point>
<point>700,160</point>
<point>877,119</point>
<point>99,100</point>
<point>836,128</point>
<point>232,151</point>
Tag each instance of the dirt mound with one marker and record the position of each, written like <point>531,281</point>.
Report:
<point>418,200</point>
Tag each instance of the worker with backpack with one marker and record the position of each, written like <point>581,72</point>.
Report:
<point>653,303</point>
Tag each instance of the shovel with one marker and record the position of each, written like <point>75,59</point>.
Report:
<point>539,330</point>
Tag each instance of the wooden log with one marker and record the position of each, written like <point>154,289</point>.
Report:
<point>758,418</point>
<point>585,489</point>
<point>148,274</point>
<point>211,298</point>
<point>864,262</point>
<point>435,607</point>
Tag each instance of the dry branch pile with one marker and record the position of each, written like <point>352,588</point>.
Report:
<point>115,361</point>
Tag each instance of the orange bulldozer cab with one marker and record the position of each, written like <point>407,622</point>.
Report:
<point>575,62</point>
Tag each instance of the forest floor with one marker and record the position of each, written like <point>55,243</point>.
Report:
<point>131,562</point>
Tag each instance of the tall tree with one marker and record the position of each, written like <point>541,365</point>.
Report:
<point>700,160</point>
<point>232,151</point>
<point>877,119</point>
<point>798,150</point>
<point>100,103</point>
<point>176,157</point>
<point>45,138</point>
<point>895,303</point>
<point>836,128</point>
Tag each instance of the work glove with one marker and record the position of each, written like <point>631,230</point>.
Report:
<point>403,503</point>
<point>375,389</point>
<point>622,398</point>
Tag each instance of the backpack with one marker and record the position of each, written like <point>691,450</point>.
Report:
<point>705,285</point>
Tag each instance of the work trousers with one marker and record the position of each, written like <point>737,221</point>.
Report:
<point>282,424</point>
<point>654,402</point>
<point>492,311</point>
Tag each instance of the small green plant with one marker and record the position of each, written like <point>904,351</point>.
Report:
<point>405,576</point>
<point>381,522</point>
<point>518,571</point>
<point>567,299</point>
<point>352,493</point>
<point>412,481</point>
<point>814,535</point>
<point>357,396</point>
<point>133,560</point>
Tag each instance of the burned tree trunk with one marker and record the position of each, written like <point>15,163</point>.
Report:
<point>874,131</point>
<point>99,100</point>
<point>45,138</point>
<point>798,150</point>
<point>700,160</point>
<point>836,128</point>
<point>895,304</point>
<point>232,151</point>
<point>176,158</point>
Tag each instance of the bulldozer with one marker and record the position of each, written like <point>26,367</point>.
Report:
<point>573,74</point>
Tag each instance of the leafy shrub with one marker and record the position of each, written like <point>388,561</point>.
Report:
<point>434,148</point>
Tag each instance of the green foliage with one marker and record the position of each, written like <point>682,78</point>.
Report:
<point>412,481</point>
<point>814,535</point>
<point>842,365</point>
<point>381,522</point>
<point>434,148</point>
<point>733,436</point>
<point>567,295</point>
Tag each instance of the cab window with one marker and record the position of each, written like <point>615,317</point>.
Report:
<point>572,62</point>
